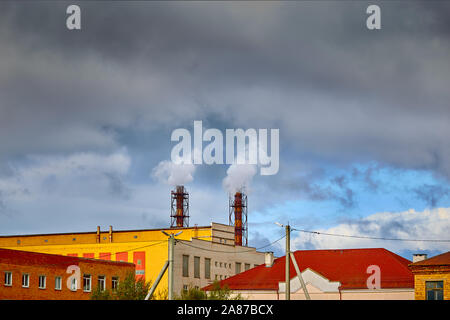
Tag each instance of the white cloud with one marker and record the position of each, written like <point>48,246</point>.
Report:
<point>88,175</point>
<point>411,224</point>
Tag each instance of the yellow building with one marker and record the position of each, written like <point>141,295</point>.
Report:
<point>432,278</point>
<point>207,249</point>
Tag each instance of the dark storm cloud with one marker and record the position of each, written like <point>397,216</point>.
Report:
<point>336,90</point>
<point>317,186</point>
<point>432,194</point>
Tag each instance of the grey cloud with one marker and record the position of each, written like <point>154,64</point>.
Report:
<point>338,92</point>
<point>117,186</point>
<point>334,88</point>
<point>258,240</point>
<point>432,194</point>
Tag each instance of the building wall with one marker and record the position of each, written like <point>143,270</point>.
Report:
<point>33,292</point>
<point>386,294</point>
<point>148,246</point>
<point>431,273</point>
<point>147,249</point>
<point>223,262</point>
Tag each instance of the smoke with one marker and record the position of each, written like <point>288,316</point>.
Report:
<point>173,174</point>
<point>238,176</point>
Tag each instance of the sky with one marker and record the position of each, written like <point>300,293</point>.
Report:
<point>86,117</point>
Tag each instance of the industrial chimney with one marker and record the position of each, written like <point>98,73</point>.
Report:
<point>179,208</point>
<point>238,217</point>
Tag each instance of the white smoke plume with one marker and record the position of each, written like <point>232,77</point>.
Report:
<point>239,176</point>
<point>173,174</point>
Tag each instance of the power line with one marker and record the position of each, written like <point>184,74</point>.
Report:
<point>365,237</point>
<point>150,245</point>
<point>245,251</point>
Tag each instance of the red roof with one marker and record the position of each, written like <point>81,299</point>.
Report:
<point>348,266</point>
<point>45,259</point>
<point>439,260</point>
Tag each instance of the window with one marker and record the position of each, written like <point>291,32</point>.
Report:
<point>247,266</point>
<point>185,288</point>
<point>215,263</point>
<point>42,282</point>
<point>58,282</point>
<point>207,268</point>
<point>238,267</point>
<point>114,283</point>
<point>87,283</point>
<point>435,290</point>
<point>185,266</point>
<point>74,285</point>
<point>196,267</point>
<point>101,283</point>
<point>25,280</point>
<point>8,278</point>
<point>221,264</point>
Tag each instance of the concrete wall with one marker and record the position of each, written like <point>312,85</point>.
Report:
<point>386,294</point>
<point>223,260</point>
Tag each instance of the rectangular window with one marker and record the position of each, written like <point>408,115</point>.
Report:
<point>8,278</point>
<point>114,283</point>
<point>238,268</point>
<point>87,283</point>
<point>247,266</point>
<point>196,267</point>
<point>207,268</point>
<point>101,283</point>
<point>42,282</point>
<point>74,285</point>
<point>25,280</point>
<point>185,288</point>
<point>58,283</point>
<point>435,290</point>
<point>185,266</point>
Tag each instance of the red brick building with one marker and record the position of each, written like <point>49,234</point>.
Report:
<point>38,276</point>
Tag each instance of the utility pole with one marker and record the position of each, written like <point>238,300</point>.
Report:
<point>171,250</point>
<point>288,273</point>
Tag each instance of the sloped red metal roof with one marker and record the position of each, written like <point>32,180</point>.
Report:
<point>10,256</point>
<point>348,266</point>
<point>439,260</point>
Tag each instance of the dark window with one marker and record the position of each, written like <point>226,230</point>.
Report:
<point>247,266</point>
<point>25,280</point>
<point>435,290</point>
<point>58,283</point>
<point>42,282</point>
<point>185,266</point>
<point>8,278</point>
<point>101,283</point>
<point>114,283</point>
<point>207,268</point>
<point>196,267</point>
<point>87,283</point>
<point>238,268</point>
